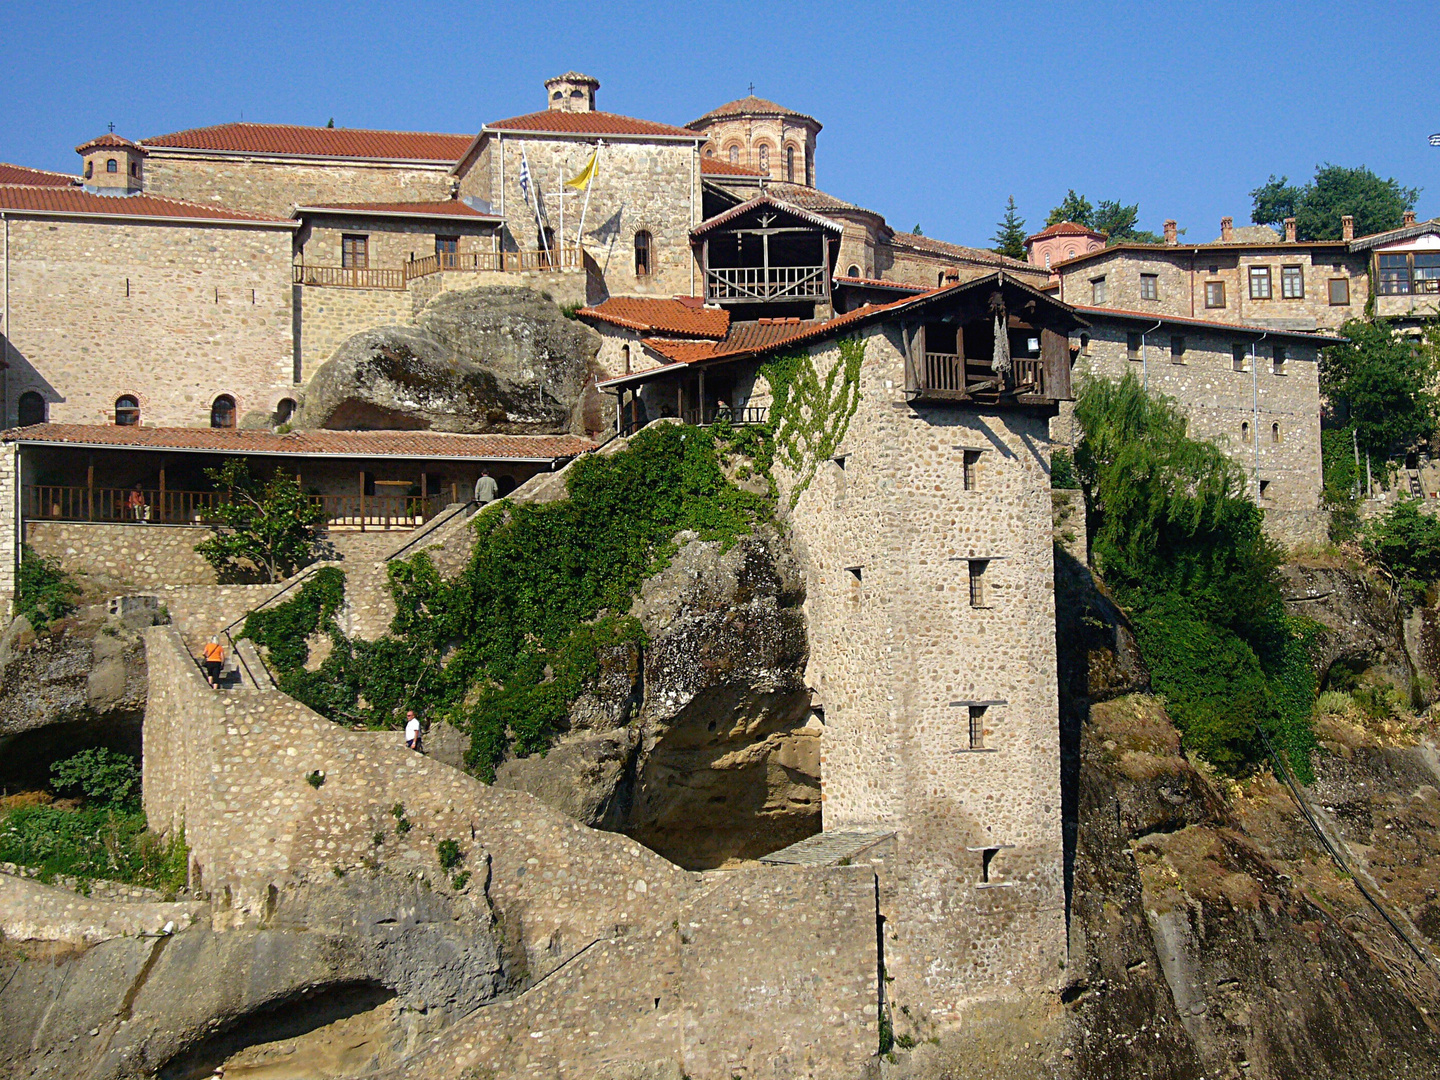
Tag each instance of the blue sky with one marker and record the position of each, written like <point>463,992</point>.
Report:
<point>934,112</point>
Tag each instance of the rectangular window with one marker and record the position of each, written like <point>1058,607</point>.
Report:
<point>1149,286</point>
<point>1239,356</point>
<point>1097,291</point>
<point>972,470</point>
<point>1132,346</point>
<point>447,250</point>
<point>1214,294</point>
<point>1339,291</point>
<point>1394,275</point>
<point>1259,283</point>
<point>355,252</point>
<point>1264,489</point>
<point>977,727</point>
<point>1277,360</point>
<point>1427,272</point>
<point>1292,283</point>
<point>1177,349</point>
<point>977,582</point>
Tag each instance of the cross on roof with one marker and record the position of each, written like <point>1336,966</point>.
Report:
<point>112,127</point>
<point>752,89</point>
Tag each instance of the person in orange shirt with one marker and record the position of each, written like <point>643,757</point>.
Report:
<point>214,661</point>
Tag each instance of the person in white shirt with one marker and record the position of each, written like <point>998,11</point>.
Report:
<point>412,730</point>
<point>486,489</point>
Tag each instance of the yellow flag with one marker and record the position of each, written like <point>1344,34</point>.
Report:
<point>582,182</point>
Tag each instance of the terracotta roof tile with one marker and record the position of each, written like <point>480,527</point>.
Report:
<point>447,208</point>
<point>879,283</point>
<point>1065,228</point>
<point>714,166</point>
<point>587,123</point>
<point>109,139</point>
<point>751,106</point>
<point>1251,328</point>
<point>249,138</point>
<point>658,316</point>
<point>56,200</point>
<point>22,174</point>
<point>764,200</point>
<point>573,76</point>
<point>930,246</point>
<point>409,444</point>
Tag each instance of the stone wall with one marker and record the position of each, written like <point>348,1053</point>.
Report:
<point>654,186</point>
<point>1181,277</point>
<point>142,555</point>
<point>1221,403</point>
<point>897,650</point>
<point>707,974</point>
<point>9,526</point>
<point>171,314</point>
<point>276,187</point>
<point>391,242</point>
<point>330,316</point>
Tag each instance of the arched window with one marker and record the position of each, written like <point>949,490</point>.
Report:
<point>222,412</point>
<point>284,410</point>
<point>127,410</point>
<point>642,254</point>
<point>765,159</point>
<point>734,155</point>
<point>709,151</point>
<point>1275,432</point>
<point>1070,254</point>
<point>1245,429</point>
<point>790,164</point>
<point>557,95</point>
<point>625,351</point>
<point>854,271</point>
<point>89,169</point>
<point>1047,260</point>
<point>940,280</point>
<point>32,409</point>
<point>112,165</point>
<point>574,94</point>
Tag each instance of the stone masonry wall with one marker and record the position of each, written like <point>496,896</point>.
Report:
<point>172,314</point>
<point>143,555</point>
<point>653,186</point>
<point>895,642</point>
<point>1221,404</point>
<point>1181,279</point>
<point>771,971</point>
<point>331,316</point>
<point>390,242</point>
<point>276,187</point>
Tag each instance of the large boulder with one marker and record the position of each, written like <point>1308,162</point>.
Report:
<point>495,359</point>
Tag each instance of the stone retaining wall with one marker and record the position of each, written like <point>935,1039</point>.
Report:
<point>142,555</point>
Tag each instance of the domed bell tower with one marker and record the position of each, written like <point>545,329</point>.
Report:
<point>113,166</point>
<point>571,92</point>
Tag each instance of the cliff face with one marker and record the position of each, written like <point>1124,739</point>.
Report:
<point>700,746</point>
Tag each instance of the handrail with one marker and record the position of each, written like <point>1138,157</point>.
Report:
<point>235,652</point>
<point>420,534</point>
<point>296,580</point>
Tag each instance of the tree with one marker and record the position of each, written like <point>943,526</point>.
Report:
<point>266,525</point>
<point>1074,208</point>
<point>1114,219</point>
<point>1375,204</point>
<point>916,231</point>
<point>1379,383</point>
<point>1406,544</point>
<point>1009,235</point>
<point>105,777</point>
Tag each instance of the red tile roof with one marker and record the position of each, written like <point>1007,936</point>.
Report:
<point>879,283</point>
<point>751,106</point>
<point>21,174</point>
<point>448,208</point>
<point>74,201</point>
<point>658,316</point>
<point>1157,316</point>
<point>406,444</point>
<point>109,139</point>
<point>1065,228</point>
<point>715,166</point>
<point>248,138</point>
<point>587,123</point>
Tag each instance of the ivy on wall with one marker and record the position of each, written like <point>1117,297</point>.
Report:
<point>809,416</point>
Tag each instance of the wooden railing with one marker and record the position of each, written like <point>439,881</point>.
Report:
<point>943,371</point>
<point>349,277</point>
<point>566,258</point>
<point>53,502</point>
<point>947,372</point>
<point>754,414</point>
<point>761,283</point>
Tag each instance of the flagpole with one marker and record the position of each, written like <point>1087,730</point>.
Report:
<point>535,203</point>
<point>562,221</point>
<point>580,232</point>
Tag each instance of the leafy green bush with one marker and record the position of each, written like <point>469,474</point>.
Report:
<point>105,777</point>
<point>44,593</point>
<point>1062,470</point>
<point>448,852</point>
<point>1406,544</point>
<point>91,844</point>
<point>1380,384</point>
<point>1341,489</point>
<point>1181,545</point>
<point>282,630</point>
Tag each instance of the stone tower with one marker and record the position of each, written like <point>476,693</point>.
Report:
<point>571,92</point>
<point>751,131</point>
<point>113,166</point>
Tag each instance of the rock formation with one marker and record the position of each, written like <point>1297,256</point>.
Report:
<point>494,359</point>
<point>702,747</point>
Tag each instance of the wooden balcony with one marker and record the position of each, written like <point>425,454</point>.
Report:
<point>759,284</point>
<point>51,502</point>
<point>346,277</point>
<point>714,414</point>
<point>947,375</point>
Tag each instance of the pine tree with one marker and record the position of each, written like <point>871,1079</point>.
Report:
<point>916,231</point>
<point>1009,236</point>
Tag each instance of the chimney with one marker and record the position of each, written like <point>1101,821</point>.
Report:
<point>1171,236</point>
<point>1347,228</point>
<point>1408,218</point>
<point>1290,230</point>
<point>1227,230</point>
<point>571,92</point>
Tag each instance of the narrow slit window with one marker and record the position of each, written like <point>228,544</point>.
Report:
<point>972,470</point>
<point>977,582</point>
<point>987,856</point>
<point>1264,489</point>
<point>977,727</point>
<point>857,573</point>
<point>1177,349</point>
<point>1275,432</point>
<point>1239,357</point>
<point>1245,430</point>
<point>642,253</point>
<point>1277,360</point>
<point>1133,345</point>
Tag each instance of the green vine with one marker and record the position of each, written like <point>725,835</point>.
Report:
<point>282,630</point>
<point>809,416</point>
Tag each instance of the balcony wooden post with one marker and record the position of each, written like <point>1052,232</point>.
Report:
<point>89,487</point>
<point>160,510</point>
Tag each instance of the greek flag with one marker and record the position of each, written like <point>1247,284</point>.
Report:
<point>525,175</point>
